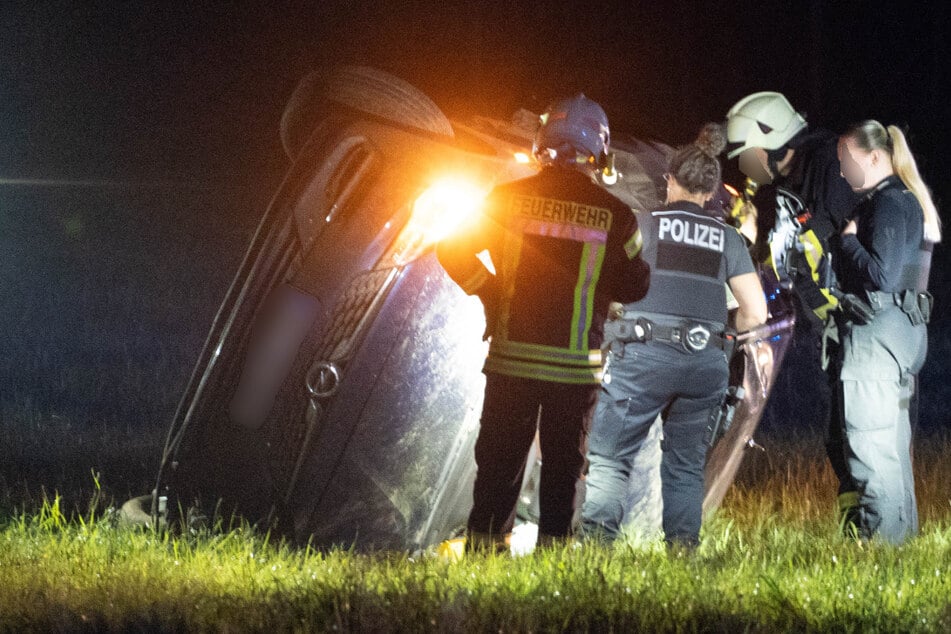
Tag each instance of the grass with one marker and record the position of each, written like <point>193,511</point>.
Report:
<point>94,364</point>
<point>80,462</point>
<point>771,559</point>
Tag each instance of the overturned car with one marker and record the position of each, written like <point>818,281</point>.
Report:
<point>338,394</point>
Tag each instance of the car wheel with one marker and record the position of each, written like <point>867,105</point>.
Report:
<point>367,90</point>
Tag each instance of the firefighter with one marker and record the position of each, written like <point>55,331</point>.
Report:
<point>562,248</point>
<point>885,261</point>
<point>667,352</point>
<point>797,169</point>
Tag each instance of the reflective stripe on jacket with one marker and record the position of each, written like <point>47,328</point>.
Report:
<point>563,248</point>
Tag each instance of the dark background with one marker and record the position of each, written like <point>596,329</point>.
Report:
<point>157,89</point>
<point>139,145</point>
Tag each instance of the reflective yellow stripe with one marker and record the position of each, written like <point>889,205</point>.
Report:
<point>542,372</point>
<point>832,302</point>
<point>475,280</point>
<point>813,252</point>
<point>633,245</point>
<point>545,354</point>
<point>589,272</point>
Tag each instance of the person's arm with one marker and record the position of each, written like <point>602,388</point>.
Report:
<point>629,273</point>
<point>752,301</point>
<point>458,254</point>
<point>879,264</point>
<point>635,276</point>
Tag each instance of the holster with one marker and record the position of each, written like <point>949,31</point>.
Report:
<point>917,305</point>
<point>721,415</point>
<point>856,309</point>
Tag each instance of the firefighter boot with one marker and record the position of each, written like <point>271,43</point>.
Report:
<point>848,514</point>
<point>479,542</point>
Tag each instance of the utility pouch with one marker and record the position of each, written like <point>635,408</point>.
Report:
<point>617,332</point>
<point>916,305</point>
<point>925,302</point>
<point>909,306</point>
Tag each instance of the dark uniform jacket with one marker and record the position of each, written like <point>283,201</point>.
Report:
<point>886,252</point>
<point>563,248</point>
<point>815,176</point>
<point>691,255</point>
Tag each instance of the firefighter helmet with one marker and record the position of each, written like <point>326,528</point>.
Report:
<point>573,131</point>
<point>764,120</point>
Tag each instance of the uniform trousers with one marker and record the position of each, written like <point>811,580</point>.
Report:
<point>513,409</point>
<point>642,381</point>
<point>879,362</point>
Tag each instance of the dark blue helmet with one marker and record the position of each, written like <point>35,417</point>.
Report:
<point>573,131</point>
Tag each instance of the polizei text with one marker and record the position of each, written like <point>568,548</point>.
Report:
<point>692,233</point>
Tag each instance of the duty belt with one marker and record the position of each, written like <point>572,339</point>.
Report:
<point>693,336</point>
<point>914,303</point>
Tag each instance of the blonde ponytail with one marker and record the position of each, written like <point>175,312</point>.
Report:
<point>903,162</point>
<point>872,135</point>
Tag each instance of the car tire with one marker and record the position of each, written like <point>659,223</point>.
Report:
<point>363,89</point>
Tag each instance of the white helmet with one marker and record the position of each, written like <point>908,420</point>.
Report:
<point>764,120</point>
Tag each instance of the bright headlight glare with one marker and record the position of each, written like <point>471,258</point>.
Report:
<point>437,212</point>
<point>443,207</point>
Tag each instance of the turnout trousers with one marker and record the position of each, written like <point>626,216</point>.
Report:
<point>878,367</point>
<point>642,381</point>
<point>512,411</point>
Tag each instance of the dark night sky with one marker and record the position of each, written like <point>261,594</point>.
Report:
<point>156,88</point>
<point>193,92</point>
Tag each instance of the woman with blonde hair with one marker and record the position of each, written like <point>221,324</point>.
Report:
<point>885,257</point>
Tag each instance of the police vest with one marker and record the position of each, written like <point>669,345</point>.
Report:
<point>691,255</point>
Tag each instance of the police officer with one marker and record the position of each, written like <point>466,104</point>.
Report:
<point>667,351</point>
<point>886,253</point>
<point>562,248</point>
<point>797,169</point>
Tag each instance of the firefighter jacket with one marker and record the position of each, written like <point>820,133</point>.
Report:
<point>691,255</point>
<point>825,203</point>
<point>562,248</point>
<point>814,175</point>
